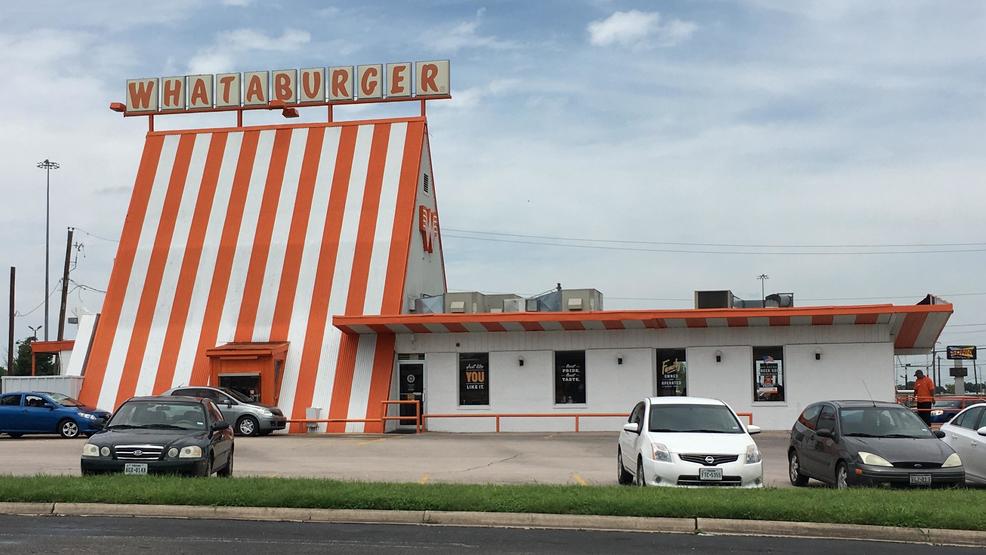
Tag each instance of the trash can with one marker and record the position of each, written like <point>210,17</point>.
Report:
<point>312,413</point>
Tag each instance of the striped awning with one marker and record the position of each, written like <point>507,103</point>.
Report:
<point>914,328</point>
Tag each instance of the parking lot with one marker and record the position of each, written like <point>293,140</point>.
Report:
<point>507,458</point>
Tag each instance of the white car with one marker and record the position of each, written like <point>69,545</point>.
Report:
<point>966,434</point>
<point>688,441</point>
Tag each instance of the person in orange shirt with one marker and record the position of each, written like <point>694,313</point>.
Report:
<point>924,395</point>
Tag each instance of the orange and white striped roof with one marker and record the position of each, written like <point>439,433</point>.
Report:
<point>261,234</point>
<point>914,328</point>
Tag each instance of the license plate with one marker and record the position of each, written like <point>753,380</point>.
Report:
<point>137,469</point>
<point>920,479</point>
<point>710,474</point>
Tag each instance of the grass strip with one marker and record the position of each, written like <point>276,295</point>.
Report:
<point>958,508</point>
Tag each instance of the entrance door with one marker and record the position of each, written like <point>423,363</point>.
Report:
<point>247,384</point>
<point>412,388</point>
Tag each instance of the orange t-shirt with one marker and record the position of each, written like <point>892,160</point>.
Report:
<point>924,390</point>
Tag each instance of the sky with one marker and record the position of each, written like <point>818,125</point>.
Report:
<point>685,145</point>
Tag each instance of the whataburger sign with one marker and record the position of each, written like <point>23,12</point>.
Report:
<point>341,84</point>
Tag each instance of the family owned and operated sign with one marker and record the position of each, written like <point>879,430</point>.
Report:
<point>319,85</point>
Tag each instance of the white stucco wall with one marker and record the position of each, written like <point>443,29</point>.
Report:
<point>851,355</point>
<point>425,270</point>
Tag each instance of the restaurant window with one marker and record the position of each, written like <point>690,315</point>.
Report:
<point>671,373</point>
<point>569,377</point>
<point>768,374</point>
<point>474,378</point>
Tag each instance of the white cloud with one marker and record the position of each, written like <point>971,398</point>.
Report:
<point>237,3</point>
<point>639,29</point>
<point>465,34</point>
<point>224,53</point>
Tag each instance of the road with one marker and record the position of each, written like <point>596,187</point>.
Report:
<point>149,536</point>
<point>507,458</point>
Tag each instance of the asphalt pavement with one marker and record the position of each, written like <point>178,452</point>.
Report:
<point>506,458</point>
<point>150,536</point>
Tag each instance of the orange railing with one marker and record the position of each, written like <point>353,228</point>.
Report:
<point>419,421</point>
<point>499,416</point>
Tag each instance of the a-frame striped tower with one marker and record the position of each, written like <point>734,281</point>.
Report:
<point>259,234</point>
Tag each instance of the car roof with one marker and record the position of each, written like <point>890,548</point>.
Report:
<point>862,403</point>
<point>684,401</point>
<point>168,399</point>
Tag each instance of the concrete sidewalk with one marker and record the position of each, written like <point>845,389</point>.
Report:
<point>505,458</point>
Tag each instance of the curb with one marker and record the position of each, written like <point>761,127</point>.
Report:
<point>714,526</point>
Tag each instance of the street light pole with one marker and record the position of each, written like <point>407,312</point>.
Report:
<point>763,297</point>
<point>47,166</point>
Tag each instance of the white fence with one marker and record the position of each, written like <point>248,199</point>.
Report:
<point>69,385</point>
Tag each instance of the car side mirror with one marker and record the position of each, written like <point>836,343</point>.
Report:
<point>632,427</point>
<point>982,431</point>
<point>220,426</point>
<point>825,432</point>
<point>228,403</point>
<point>939,434</point>
<point>751,429</point>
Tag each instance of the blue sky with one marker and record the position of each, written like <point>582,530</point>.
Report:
<point>746,122</point>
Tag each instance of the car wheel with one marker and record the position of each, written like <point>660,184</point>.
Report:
<point>622,476</point>
<point>68,429</point>
<point>640,480</point>
<point>207,471</point>
<point>247,426</point>
<point>227,470</point>
<point>841,476</point>
<point>794,470</point>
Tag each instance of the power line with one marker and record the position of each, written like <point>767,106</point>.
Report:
<point>738,245</point>
<point>690,251</point>
<point>94,236</point>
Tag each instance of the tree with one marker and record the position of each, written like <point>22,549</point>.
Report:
<point>22,362</point>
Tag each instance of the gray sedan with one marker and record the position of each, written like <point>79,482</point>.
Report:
<point>248,417</point>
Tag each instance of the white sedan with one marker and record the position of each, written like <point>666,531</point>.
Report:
<point>688,441</point>
<point>966,434</point>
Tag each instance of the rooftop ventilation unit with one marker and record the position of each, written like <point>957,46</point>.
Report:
<point>714,299</point>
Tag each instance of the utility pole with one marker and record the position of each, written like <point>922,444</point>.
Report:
<point>763,297</point>
<point>47,166</point>
<point>10,328</point>
<point>61,311</point>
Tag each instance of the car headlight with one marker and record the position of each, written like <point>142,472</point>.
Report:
<point>937,412</point>
<point>266,413</point>
<point>90,450</point>
<point>661,452</point>
<point>753,455</point>
<point>873,460</point>
<point>173,452</point>
<point>190,452</point>
<point>952,461</point>
<point>104,451</point>
<point>87,416</point>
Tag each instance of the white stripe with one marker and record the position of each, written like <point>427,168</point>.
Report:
<point>325,379</point>
<point>138,273</point>
<point>280,236</point>
<point>377,278</point>
<point>298,330</point>
<point>244,243</point>
<point>169,280</point>
<point>207,263</point>
<point>365,351</point>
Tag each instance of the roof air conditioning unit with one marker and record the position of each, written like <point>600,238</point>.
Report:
<point>457,306</point>
<point>514,305</point>
<point>532,305</point>
<point>575,303</point>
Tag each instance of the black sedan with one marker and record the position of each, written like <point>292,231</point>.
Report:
<point>184,435</point>
<point>849,443</point>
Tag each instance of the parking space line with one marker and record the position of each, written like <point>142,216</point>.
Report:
<point>371,441</point>
<point>579,480</point>
<point>424,479</point>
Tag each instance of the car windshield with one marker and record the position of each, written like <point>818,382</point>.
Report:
<point>716,419</point>
<point>162,416</point>
<point>882,422</point>
<point>64,400</point>
<point>236,395</point>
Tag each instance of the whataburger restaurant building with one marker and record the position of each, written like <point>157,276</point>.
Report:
<point>286,261</point>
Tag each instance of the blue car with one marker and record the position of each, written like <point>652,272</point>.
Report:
<point>38,412</point>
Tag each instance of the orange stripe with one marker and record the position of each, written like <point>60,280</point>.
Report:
<point>418,328</point>
<point>737,322</point>
<point>909,330</point>
<point>613,324</point>
<point>400,242</point>
<point>381,329</point>
<point>493,326</point>
<point>568,325</point>
<point>155,271</point>
<point>345,368</point>
<point>95,368</point>
<point>365,235</point>
<point>822,320</point>
<point>261,240</point>
<point>383,364</point>
<point>866,319</point>
<point>531,326</point>
<point>455,327</point>
<point>696,323</point>
<point>319,309</point>
<point>224,258</point>
<point>190,264</point>
<point>780,320</point>
<point>296,236</point>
